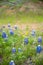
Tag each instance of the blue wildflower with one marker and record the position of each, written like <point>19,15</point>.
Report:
<point>4,35</point>
<point>11,32</point>
<point>33,33</point>
<point>13,50</point>
<point>9,25</point>
<point>26,41</point>
<point>39,49</point>
<point>40,39</point>
<point>11,62</point>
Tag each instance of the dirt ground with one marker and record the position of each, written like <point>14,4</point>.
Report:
<point>30,26</point>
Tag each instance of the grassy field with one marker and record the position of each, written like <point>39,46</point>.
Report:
<point>21,18</point>
<point>21,32</point>
<point>13,46</point>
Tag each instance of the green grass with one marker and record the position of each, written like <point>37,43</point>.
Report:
<point>17,41</point>
<point>21,17</point>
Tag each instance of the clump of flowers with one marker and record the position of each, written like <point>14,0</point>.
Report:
<point>14,45</point>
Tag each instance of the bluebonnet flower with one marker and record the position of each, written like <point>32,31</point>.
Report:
<point>15,26</point>
<point>11,62</point>
<point>26,41</point>
<point>9,25</point>
<point>4,34</point>
<point>13,50</point>
<point>40,39</point>
<point>19,50</point>
<point>33,33</point>
<point>39,49</point>
<point>11,32</point>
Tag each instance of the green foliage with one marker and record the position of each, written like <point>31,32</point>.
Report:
<point>4,0</point>
<point>17,41</point>
<point>41,0</point>
<point>22,0</point>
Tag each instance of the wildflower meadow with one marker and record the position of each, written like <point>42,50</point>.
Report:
<point>16,47</point>
<point>21,32</point>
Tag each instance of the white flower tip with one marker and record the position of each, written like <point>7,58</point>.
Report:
<point>13,47</point>
<point>38,45</point>
<point>40,37</point>
<point>12,61</point>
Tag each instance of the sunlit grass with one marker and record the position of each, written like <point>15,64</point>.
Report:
<point>21,18</point>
